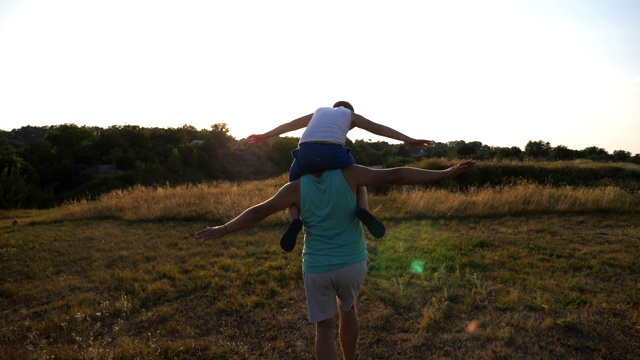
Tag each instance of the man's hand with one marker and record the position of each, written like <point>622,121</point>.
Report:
<point>460,168</point>
<point>421,143</point>
<point>257,139</point>
<point>211,233</point>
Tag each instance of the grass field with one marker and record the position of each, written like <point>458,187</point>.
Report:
<point>525,272</point>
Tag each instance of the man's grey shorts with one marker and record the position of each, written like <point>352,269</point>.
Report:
<point>322,289</point>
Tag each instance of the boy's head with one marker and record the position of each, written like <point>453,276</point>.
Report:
<point>343,104</point>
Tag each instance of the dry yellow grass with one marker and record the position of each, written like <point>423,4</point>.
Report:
<point>221,201</point>
<point>507,200</point>
<point>215,201</point>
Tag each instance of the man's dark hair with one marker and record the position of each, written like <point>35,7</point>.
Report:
<point>344,104</point>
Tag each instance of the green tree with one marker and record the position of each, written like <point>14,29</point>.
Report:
<point>165,143</point>
<point>253,162</point>
<point>73,143</point>
<point>19,185</point>
<point>595,153</point>
<point>278,152</point>
<point>437,150</point>
<point>402,151</point>
<point>364,153</point>
<point>513,152</point>
<point>537,149</point>
<point>561,152</point>
<point>27,135</point>
<point>105,143</point>
<point>214,152</point>
<point>466,150</point>
<point>72,153</point>
<point>621,156</point>
<point>13,189</point>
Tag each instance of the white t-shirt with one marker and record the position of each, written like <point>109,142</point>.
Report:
<point>328,125</point>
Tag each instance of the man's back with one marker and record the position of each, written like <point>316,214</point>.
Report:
<point>333,235</point>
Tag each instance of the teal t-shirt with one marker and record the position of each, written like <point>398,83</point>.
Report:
<point>333,235</point>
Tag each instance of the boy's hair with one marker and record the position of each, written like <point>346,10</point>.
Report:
<point>344,104</point>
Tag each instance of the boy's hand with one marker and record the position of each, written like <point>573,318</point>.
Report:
<point>421,143</point>
<point>257,139</point>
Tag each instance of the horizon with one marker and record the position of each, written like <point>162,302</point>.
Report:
<point>296,134</point>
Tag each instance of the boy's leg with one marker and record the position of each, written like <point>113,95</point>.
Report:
<point>288,240</point>
<point>375,226</point>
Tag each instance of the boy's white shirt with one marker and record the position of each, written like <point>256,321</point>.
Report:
<point>328,125</point>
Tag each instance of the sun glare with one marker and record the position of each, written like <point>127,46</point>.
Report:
<point>416,267</point>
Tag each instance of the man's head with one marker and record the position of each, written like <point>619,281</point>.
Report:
<point>344,104</point>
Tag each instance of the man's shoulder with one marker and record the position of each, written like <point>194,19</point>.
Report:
<point>358,175</point>
<point>290,190</point>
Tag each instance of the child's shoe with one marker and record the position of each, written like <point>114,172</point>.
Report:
<point>288,241</point>
<point>375,226</point>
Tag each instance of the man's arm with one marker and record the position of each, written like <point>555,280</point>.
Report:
<point>382,130</point>
<point>292,125</point>
<point>288,195</point>
<point>357,175</point>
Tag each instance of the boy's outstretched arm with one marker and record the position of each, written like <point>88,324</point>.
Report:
<point>382,130</point>
<point>292,125</point>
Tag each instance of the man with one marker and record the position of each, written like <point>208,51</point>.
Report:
<point>334,254</point>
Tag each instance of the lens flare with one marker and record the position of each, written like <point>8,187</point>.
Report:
<point>416,267</point>
<point>472,327</point>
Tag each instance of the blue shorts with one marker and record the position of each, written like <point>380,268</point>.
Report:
<point>312,157</point>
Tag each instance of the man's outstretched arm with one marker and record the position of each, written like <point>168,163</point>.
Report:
<point>288,195</point>
<point>357,175</point>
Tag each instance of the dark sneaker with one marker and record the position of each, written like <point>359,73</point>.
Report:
<point>375,226</point>
<point>288,241</point>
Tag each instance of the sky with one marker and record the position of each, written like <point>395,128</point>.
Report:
<point>502,73</point>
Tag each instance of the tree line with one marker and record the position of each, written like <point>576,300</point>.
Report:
<point>44,166</point>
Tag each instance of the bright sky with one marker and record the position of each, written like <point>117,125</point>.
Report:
<point>498,72</point>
